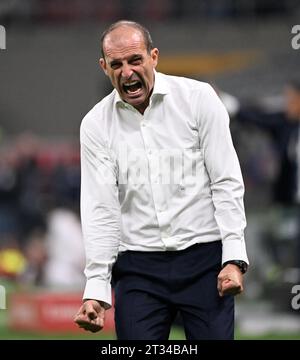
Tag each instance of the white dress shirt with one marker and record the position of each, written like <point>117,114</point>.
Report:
<point>161,181</point>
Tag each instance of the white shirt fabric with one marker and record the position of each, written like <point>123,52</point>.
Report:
<point>161,181</point>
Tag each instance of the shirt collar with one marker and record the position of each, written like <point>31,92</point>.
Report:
<point>160,88</point>
<point>160,84</point>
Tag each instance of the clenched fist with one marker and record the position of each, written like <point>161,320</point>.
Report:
<point>230,280</point>
<point>90,316</point>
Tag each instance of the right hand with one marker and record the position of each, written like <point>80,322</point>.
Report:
<point>90,316</point>
<point>230,280</point>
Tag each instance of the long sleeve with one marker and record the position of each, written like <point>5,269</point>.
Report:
<point>100,215</point>
<point>223,168</point>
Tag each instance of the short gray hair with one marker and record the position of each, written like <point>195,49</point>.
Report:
<point>133,24</point>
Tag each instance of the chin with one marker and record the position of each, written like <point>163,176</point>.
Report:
<point>136,102</point>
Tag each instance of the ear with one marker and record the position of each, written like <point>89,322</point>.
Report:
<point>103,65</point>
<point>154,56</point>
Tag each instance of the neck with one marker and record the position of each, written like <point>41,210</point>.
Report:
<point>142,107</point>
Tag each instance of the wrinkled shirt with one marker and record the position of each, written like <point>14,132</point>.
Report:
<point>161,181</point>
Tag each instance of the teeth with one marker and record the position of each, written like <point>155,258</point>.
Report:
<point>131,83</point>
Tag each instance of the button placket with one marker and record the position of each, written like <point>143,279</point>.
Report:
<point>154,175</point>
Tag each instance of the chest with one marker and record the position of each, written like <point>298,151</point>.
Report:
<point>161,127</point>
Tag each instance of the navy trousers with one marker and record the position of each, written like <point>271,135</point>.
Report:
<point>152,287</point>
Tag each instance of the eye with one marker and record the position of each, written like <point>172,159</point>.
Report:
<point>115,66</point>
<point>136,61</point>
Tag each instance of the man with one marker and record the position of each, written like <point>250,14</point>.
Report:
<point>283,128</point>
<point>170,230</point>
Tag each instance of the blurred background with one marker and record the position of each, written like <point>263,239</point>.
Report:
<point>49,79</point>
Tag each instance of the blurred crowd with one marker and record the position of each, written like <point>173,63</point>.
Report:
<point>39,211</point>
<point>74,10</point>
<point>267,137</point>
<point>40,233</point>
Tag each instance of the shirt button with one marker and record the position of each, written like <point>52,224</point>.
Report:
<point>166,234</point>
<point>143,124</point>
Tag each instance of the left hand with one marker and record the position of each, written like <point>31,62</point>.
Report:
<point>230,280</point>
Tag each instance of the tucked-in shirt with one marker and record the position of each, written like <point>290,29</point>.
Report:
<point>161,181</point>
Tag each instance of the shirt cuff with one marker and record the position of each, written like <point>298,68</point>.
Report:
<point>234,250</point>
<point>100,290</point>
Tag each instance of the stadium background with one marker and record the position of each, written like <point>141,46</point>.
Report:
<point>49,79</point>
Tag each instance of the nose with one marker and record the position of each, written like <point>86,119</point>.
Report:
<point>126,71</point>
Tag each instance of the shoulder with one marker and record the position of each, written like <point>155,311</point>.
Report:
<point>196,96</point>
<point>181,83</point>
<point>94,122</point>
<point>97,114</point>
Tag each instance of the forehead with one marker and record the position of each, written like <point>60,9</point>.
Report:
<point>123,42</point>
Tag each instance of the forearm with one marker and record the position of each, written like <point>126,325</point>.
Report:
<point>102,235</point>
<point>100,217</point>
<point>227,197</point>
<point>226,181</point>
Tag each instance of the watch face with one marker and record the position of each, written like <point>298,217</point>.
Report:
<point>243,266</point>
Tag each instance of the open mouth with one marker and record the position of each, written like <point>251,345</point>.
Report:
<point>132,87</point>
